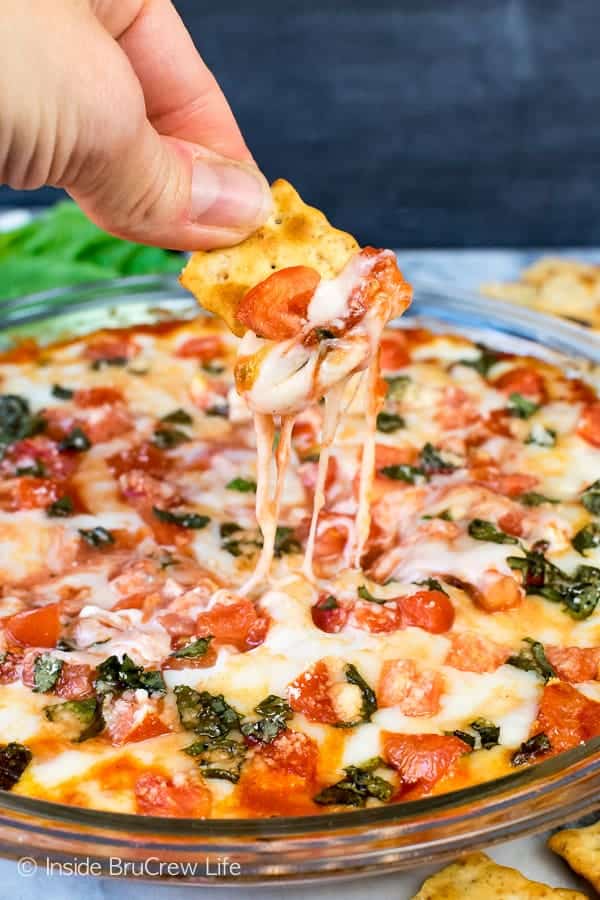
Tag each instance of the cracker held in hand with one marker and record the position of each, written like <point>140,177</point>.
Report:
<point>580,847</point>
<point>477,877</point>
<point>294,235</point>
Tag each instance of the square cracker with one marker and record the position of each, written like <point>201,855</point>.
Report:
<point>294,235</point>
<point>477,877</point>
<point>580,847</point>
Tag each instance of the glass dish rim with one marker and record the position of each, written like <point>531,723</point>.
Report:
<point>458,305</point>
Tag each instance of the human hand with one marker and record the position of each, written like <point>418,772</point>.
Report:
<point>110,100</point>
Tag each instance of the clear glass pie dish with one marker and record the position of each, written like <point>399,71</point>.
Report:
<point>380,839</point>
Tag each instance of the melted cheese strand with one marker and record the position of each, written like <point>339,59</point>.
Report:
<point>367,465</point>
<point>333,404</point>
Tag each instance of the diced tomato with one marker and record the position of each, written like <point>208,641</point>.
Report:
<point>384,281</point>
<point>394,353</point>
<point>75,682</point>
<point>294,752</point>
<point>35,627</point>
<point>511,485</point>
<point>276,308</point>
<point>310,694</point>
<point>130,721</point>
<point>498,421</point>
<point>41,450</point>
<point>498,593</point>
<point>33,493</point>
<point>422,759</point>
<point>304,437</point>
<point>522,380</point>
<point>328,614</point>
<point>430,610</point>
<point>179,797</point>
<point>512,522</point>
<point>203,347</point>
<point>567,717</point>
<point>575,664</point>
<point>145,456</point>
<point>386,455</point>
<point>139,485</point>
<point>118,345</point>
<point>472,652</point>
<point>378,618</point>
<point>456,409</point>
<point>96,396</point>
<point>414,693</point>
<point>236,623</point>
<point>266,789</point>
<point>330,541</point>
<point>589,424</point>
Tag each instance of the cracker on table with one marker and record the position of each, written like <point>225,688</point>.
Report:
<point>477,877</point>
<point>562,287</point>
<point>294,235</point>
<point>580,847</point>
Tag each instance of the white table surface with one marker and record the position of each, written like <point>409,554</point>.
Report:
<point>456,268</point>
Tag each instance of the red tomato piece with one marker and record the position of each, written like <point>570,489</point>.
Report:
<point>414,693</point>
<point>456,409</point>
<point>589,424</point>
<point>130,721</point>
<point>522,380</point>
<point>293,752</point>
<point>512,522</point>
<point>304,437</point>
<point>394,352</point>
<point>472,652</point>
<point>35,627</point>
<point>499,593</point>
<point>75,682</point>
<point>310,694</point>
<point>11,667</point>
<point>236,623</point>
<point>575,664</point>
<point>203,347</point>
<point>40,449</point>
<point>111,346</point>
<point>145,456</point>
<point>276,308</point>
<point>178,797</point>
<point>430,610</point>
<point>422,759</point>
<point>567,717</point>
<point>96,396</point>
<point>34,493</point>
<point>328,614</point>
<point>511,485</point>
<point>378,618</point>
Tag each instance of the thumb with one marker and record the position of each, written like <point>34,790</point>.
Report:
<point>172,193</point>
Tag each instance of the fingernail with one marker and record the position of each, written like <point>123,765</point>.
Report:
<point>226,194</point>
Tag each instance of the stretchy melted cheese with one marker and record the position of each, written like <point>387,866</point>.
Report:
<point>128,532</point>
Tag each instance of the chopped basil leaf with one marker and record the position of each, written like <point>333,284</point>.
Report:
<point>388,423</point>
<point>432,584</point>
<point>402,472</point>
<point>543,437</point>
<point>97,537</point>
<point>194,649</point>
<point>219,409</point>
<point>14,759</point>
<point>60,508</point>
<point>79,719</point>
<point>178,417</point>
<point>17,421</point>
<point>76,440</point>
<point>220,757</point>
<point>62,393</point>
<point>324,334</point>
<point>484,362</point>
<point>167,438</point>
<point>520,407</point>
<point>329,602</point>
<point>397,385</point>
<point>587,538</point>
<point>532,498</point>
<point>239,541</point>
<point>115,675</point>
<point>286,541</point>
<point>580,592</point>
<point>365,594</point>
<point>489,734</point>
<point>184,520</point>
<point>243,485</point>
<point>445,515</point>
<point>108,361</point>
<point>46,672</point>
<point>464,736</point>
<point>530,749</point>
<point>206,714</point>
<point>369,700</point>
<point>432,463</point>
<point>591,497</point>
<point>355,788</point>
<point>482,530</point>
<point>274,712</point>
<point>532,658</point>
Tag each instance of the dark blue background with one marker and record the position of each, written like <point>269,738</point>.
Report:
<point>432,123</point>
